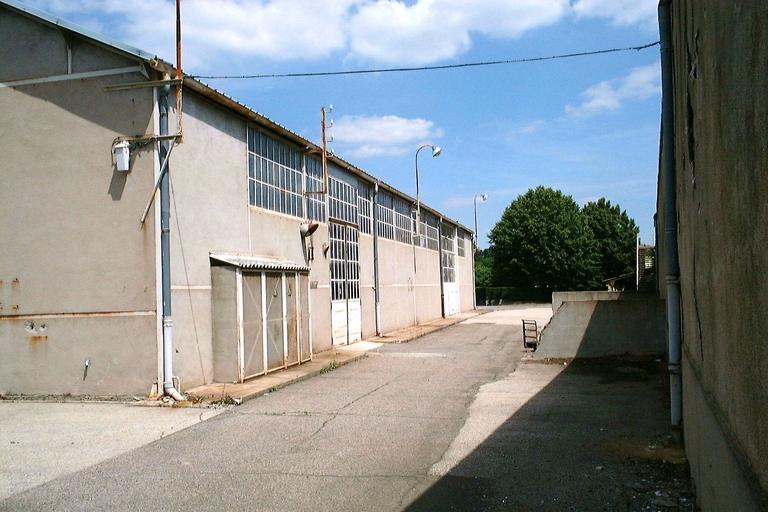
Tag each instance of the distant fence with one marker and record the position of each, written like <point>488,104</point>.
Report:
<point>494,294</point>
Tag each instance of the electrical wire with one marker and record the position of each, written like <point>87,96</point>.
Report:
<point>427,68</point>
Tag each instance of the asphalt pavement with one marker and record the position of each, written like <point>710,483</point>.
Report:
<point>456,419</point>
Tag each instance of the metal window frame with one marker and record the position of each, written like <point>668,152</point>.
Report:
<point>275,174</point>
<point>364,208</point>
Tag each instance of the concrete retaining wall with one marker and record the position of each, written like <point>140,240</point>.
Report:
<point>596,324</point>
<point>721,157</point>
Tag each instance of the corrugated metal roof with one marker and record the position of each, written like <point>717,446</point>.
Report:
<point>258,262</point>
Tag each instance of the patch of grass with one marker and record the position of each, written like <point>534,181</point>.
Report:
<point>224,400</point>
<point>272,389</point>
<point>329,367</point>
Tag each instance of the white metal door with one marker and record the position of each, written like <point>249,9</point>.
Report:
<point>346,317</point>
<point>252,347</point>
<point>451,291</point>
<point>274,321</point>
<point>449,269</point>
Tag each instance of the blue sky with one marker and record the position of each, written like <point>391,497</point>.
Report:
<point>588,126</point>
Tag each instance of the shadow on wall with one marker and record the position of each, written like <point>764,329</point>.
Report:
<point>599,324</point>
<point>590,435</point>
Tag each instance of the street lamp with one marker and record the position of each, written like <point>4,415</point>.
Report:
<point>435,152</point>
<point>474,200</point>
<point>474,249</point>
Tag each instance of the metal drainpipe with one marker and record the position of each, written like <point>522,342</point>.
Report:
<point>376,290</point>
<point>670,215</point>
<point>165,251</point>
<point>440,256</point>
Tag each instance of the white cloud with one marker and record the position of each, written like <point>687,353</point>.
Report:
<point>223,35</point>
<point>428,31</point>
<point>532,127</point>
<point>366,136</point>
<point>641,83</point>
<point>371,31</point>
<point>622,12</point>
<point>276,30</point>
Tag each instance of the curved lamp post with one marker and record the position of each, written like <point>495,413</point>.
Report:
<point>435,152</point>
<point>474,248</point>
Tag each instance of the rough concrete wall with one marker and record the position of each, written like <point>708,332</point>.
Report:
<point>721,108</point>
<point>720,482</point>
<point>598,324</point>
<point>74,255</point>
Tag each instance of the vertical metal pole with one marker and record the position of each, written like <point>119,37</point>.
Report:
<point>165,250</point>
<point>284,307</point>
<point>418,200</point>
<point>178,68</point>
<point>440,256</point>
<point>264,323</point>
<point>240,325</point>
<point>376,276</point>
<point>474,280</point>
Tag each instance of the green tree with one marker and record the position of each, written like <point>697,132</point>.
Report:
<point>616,237</point>
<point>543,241</point>
<point>483,268</point>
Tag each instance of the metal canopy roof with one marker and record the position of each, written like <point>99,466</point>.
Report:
<point>259,262</point>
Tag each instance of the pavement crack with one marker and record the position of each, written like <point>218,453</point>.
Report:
<point>320,429</point>
<point>362,396</point>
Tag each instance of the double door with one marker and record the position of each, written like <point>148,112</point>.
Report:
<point>274,331</point>
<point>346,317</point>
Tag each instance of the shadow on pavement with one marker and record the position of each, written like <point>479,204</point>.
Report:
<point>594,437</point>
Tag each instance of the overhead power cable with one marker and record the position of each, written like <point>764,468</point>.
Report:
<point>428,68</point>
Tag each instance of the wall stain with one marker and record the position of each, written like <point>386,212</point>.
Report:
<point>37,341</point>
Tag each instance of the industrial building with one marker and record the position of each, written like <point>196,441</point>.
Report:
<point>158,235</point>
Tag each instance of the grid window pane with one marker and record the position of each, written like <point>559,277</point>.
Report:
<point>274,175</point>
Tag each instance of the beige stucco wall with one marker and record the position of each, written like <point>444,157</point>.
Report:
<point>428,306</point>
<point>396,278</point>
<point>721,107</point>
<point>78,273</point>
<point>74,256</point>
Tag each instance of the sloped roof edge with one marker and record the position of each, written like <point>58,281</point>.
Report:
<point>250,261</point>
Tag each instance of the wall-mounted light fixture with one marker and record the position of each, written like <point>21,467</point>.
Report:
<point>307,228</point>
<point>123,156</point>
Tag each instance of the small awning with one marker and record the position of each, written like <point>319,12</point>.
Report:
<point>258,262</point>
